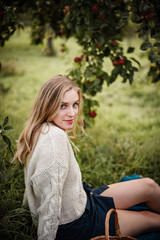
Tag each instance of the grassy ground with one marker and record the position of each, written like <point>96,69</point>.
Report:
<point>124,140</point>
<point>25,68</point>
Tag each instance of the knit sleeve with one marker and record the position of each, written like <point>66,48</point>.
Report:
<point>48,188</point>
<point>48,182</point>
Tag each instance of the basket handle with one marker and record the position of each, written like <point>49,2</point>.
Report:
<point>107,223</point>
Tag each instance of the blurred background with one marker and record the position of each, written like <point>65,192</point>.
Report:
<point>123,131</point>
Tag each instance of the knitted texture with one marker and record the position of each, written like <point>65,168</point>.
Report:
<point>54,190</point>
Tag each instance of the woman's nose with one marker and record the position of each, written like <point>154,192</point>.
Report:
<point>71,111</point>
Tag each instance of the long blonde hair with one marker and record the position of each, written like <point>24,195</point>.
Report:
<point>45,108</point>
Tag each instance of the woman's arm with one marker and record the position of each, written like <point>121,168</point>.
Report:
<point>48,179</point>
<point>47,188</point>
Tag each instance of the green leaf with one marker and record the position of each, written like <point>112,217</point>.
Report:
<point>142,36</point>
<point>130,79</point>
<point>105,76</point>
<point>136,61</point>
<point>101,39</point>
<point>107,51</point>
<point>130,50</point>
<point>145,46</point>
<point>146,7</point>
<point>156,36</point>
<point>156,44</point>
<point>135,18</point>
<point>152,57</point>
<point>6,140</point>
<point>88,72</point>
<point>5,121</point>
<point>114,74</point>
<point>135,69</point>
<point>156,79</point>
<point>7,128</point>
<point>123,72</point>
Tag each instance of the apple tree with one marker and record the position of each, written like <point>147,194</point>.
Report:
<point>98,26</point>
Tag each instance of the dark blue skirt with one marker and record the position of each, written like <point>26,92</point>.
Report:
<point>92,222</point>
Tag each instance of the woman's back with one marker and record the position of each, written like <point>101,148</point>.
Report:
<point>53,175</point>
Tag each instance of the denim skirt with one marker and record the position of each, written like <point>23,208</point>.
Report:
<point>92,222</point>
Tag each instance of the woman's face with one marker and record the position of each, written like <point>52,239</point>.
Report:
<point>68,110</point>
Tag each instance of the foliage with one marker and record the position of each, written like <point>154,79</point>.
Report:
<point>9,19</point>
<point>17,224</point>
<point>3,129</point>
<point>123,141</point>
<point>5,153</point>
<point>98,27</point>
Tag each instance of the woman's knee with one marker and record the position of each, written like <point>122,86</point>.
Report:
<point>150,185</point>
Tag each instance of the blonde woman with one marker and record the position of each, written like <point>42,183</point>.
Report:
<point>65,208</point>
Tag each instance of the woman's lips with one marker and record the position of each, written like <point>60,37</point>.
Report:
<point>69,121</point>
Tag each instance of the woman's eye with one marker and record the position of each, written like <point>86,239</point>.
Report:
<point>75,105</point>
<point>62,106</point>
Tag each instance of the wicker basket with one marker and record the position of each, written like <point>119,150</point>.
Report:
<point>118,235</point>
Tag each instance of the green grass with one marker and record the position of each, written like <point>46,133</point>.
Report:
<point>128,128</point>
<point>24,69</point>
<point>124,140</point>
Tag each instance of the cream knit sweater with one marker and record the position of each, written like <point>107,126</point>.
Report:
<point>54,190</point>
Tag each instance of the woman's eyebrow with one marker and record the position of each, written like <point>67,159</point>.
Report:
<point>67,102</point>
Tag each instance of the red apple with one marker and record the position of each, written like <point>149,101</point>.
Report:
<point>121,61</point>
<point>99,45</point>
<point>76,59</point>
<point>102,17</point>
<point>93,114</point>
<point>149,16</point>
<point>87,59</point>
<point>115,63</point>
<point>65,12</point>
<point>95,8</point>
<point>67,8</point>
<point>62,31</point>
<point>114,42</point>
<point>80,58</point>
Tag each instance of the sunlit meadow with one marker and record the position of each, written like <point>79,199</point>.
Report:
<point>125,138</point>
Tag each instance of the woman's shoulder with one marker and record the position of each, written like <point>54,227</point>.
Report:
<point>51,132</point>
<point>49,128</point>
<point>51,147</point>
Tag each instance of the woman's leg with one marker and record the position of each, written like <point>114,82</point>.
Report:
<point>130,193</point>
<point>134,223</point>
